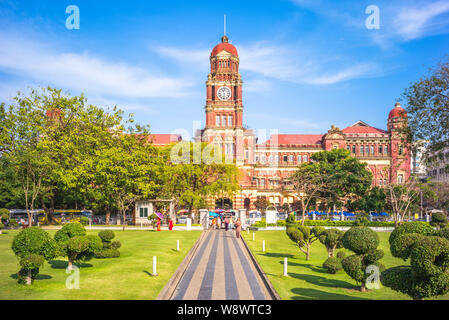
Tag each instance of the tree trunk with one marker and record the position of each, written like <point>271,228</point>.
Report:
<point>29,277</point>
<point>308,253</point>
<point>330,253</point>
<point>363,288</point>
<point>108,216</point>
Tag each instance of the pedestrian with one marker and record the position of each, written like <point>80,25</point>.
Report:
<point>231,223</point>
<point>158,224</point>
<point>226,222</point>
<point>170,225</point>
<point>238,227</point>
<point>218,223</point>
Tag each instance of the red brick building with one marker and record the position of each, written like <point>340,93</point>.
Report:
<point>266,166</point>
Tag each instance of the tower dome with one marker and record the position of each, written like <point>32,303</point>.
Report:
<point>224,45</point>
<point>397,112</point>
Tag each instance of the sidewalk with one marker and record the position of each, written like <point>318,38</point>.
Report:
<point>221,270</point>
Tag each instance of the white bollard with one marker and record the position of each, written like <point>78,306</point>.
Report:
<point>254,236</point>
<point>177,245</point>
<point>154,266</point>
<point>263,245</point>
<point>285,267</point>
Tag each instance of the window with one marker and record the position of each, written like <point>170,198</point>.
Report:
<point>361,150</point>
<point>257,159</point>
<point>271,159</point>
<point>263,159</point>
<point>285,158</point>
<point>306,158</point>
<point>217,120</point>
<point>380,181</point>
<point>223,121</point>
<point>348,148</point>
<point>262,182</point>
<point>367,150</point>
<point>290,158</point>
<point>401,150</point>
<point>385,182</point>
<point>232,148</point>
<point>386,150</point>
<point>276,158</point>
<point>372,150</point>
<point>246,154</point>
<point>299,158</point>
<point>400,178</point>
<point>353,149</point>
<point>226,148</point>
<point>143,212</point>
<point>229,120</point>
<point>380,149</point>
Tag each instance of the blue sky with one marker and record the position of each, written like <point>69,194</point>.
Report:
<point>305,64</point>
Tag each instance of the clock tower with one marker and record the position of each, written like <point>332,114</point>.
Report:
<point>224,108</point>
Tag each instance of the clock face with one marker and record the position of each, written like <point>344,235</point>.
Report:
<point>224,93</point>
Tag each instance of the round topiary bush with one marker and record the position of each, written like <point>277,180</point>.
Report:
<point>411,227</point>
<point>84,220</point>
<point>443,233</point>
<point>402,245</point>
<point>106,235</point>
<point>70,230</point>
<point>33,246</point>
<point>331,238</point>
<point>360,240</point>
<point>332,264</point>
<point>353,267</point>
<point>427,275</point>
<point>108,253</point>
<point>341,255</point>
<point>439,220</point>
<point>4,215</point>
<point>13,223</point>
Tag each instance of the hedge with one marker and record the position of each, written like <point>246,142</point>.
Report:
<point>329,223</point>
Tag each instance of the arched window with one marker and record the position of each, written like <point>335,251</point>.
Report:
<point>299,158</point>
<point>230,120</point>
<point>306,158</point>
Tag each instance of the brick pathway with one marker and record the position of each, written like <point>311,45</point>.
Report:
<point>221,270</point>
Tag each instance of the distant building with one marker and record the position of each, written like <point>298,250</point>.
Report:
<point>418,164</point>
<point>438,166</point>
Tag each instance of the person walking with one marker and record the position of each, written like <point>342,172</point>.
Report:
<point>231,223</point>
<point>226,222</point>
<point>238,227</point>
<point>170,225</point>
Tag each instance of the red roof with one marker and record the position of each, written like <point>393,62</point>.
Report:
<point>397,111</point>
<point>163,139</point>
<point>362,129</point>
<point>224,46</point>
<point>296,139</point>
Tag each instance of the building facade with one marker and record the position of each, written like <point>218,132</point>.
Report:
<point>267,166</point>
<point>438,166</point>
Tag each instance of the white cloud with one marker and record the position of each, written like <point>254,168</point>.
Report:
<point>281,62</point>
<point>415,22</point>
<point>84,72</point>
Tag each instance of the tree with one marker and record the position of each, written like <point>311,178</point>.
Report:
<point>32,246</point>
<point>261,204</point>
<point>332,240</point>
<point>429,261</point>
<point>304,237</point>
<point>427,103</point>
<point>333,264</point>
<point>404,197</point>
<point>75,245</point>
<point>374,201</point>
<point>363,242</point>
<point>153,220</point>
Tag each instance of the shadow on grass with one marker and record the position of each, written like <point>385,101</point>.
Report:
<point>277,255</point>
<point>38,277</point>
<point>309,266</point>
<point>61,264</point>
<point>314,294</point>
<point>322,281</point>
<point>148,273</point>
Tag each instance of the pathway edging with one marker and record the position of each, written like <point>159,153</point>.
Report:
<point>169,289</point>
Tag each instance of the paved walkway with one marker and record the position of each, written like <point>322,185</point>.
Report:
<point>221,269</point>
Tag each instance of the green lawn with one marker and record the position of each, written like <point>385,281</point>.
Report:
<point>308,279</point>
<point>127,277</point>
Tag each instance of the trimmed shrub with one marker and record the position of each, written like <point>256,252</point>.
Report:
<point>13,223</point>
<point>427,274</point>
<point>70,230</point>
<point>443,233</point>
<point>332,264</point>
<point>341,255</point>
<point>106,235</point>
<point>360,240</point>
<point>2,226</point>
<point>411,227</point>
<point>109,247</point>
<point>291,220</point>
<point>108,253</point>
<point>304,237</point>
<point>84,220</point>
<point>331,238</point>
<point>363,242</point>
<point>32,246</point>
<point>4,215</point>
<point>402,245</point>
<point>439,220</point>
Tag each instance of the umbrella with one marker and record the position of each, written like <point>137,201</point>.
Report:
<point>183,211</point>
<point>213,214</point>
<point>219,211</point>
<point>160,215</point>
<point>383,214</point>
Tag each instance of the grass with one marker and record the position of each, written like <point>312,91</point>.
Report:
<point>308,280</point>
<point>128,277</point>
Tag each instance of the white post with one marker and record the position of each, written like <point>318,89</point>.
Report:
<point>254,236</point>
<point>263,245</point>
<point>90,223</point>
<point>285,267</point>
<point>177,245</point>
<point>154,266</point>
